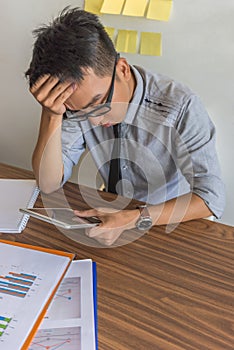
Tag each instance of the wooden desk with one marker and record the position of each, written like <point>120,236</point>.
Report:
<point>161,291</point>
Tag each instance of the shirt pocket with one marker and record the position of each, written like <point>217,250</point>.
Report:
<point>160,111</point>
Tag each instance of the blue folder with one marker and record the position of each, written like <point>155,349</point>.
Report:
<point>95,302</point>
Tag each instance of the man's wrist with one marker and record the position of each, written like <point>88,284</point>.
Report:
<point>50,121</point>
<point>144,222</point>
<point>50,115</point>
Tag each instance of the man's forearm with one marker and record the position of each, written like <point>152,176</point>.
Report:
<point>114,222</point>
<point>47,156</point>
<point>184,208</point>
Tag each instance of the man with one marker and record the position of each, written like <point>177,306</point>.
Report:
<point>165,143</point>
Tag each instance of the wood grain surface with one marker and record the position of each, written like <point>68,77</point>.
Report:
<point>162,291</point>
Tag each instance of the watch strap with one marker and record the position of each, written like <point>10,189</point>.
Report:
<point>144,212</point>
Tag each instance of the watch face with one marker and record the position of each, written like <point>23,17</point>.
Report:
<point>144,224</point>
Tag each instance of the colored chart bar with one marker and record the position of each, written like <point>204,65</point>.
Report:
<point>4,326</point>
<point>12,292</point>
<point>4,322</point>
<point>17,280</point>
<point>23,275</point>
<point>6,319</point>
<point>14,286</point>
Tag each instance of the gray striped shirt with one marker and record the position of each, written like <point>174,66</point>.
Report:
<point>167,145</point>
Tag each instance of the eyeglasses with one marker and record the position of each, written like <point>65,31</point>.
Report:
<point>83,114</point>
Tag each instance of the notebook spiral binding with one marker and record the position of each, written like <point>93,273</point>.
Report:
<point>30,205</point>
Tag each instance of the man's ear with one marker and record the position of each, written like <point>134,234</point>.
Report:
<point>123,70</point>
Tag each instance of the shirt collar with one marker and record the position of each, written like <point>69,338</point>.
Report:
<point>136,99</point>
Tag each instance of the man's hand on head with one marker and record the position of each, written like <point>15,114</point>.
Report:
<point>52,94</point>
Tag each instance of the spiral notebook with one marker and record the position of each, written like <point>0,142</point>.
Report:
<point>15,194</point>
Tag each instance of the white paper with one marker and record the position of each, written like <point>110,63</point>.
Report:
<point>69,323</point>
<point>27,279</point>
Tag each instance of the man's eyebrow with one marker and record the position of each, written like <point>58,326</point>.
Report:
<point>94,99</point>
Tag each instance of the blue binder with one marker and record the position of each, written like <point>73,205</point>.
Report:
<point>95,302</point>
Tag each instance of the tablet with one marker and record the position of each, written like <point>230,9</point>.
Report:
<point>62,217</point>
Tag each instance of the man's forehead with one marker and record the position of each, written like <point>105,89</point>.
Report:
<point>89,91</point>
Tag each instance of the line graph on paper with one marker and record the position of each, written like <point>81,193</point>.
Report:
<point>57,339</point>
<point>67,301</point>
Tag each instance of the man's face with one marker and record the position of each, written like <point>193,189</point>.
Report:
<point>94,91</point>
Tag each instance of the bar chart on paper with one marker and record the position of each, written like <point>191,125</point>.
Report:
<point>28,277</point>
<point>8,325</point>
<point>4,323</point>
<point>16,284</point>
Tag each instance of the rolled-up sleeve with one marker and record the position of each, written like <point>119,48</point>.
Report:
<point>73,145</point>
<point>197,156</point>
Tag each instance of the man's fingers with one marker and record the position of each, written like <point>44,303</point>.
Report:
<point>51,93</point>
<point>105,241</point>
<point>96,212</point>
<point>100,234</point>
<point>63,91</point>
<point>40,81</point>
<point>50,88</point>
<point>87,213</point>
<point>95,231</point>
<point>56,98</point>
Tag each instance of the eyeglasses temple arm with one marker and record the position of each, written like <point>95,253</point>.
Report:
<point>113,79</point>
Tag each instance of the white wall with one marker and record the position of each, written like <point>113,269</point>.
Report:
<point>198,49</point>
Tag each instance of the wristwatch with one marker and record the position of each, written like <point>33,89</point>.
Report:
<point>144,222</point>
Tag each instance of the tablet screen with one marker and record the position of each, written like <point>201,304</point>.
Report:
<point>61,216</point>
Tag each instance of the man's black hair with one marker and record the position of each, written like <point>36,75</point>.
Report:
<point>75,41</point>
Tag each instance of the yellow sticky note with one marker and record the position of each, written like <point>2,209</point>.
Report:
<point>110,31</point>
<point>151,44</point>
<point>93,6</point>
<point>126,41</point>
<point>112,6</point>
<point>135,8</point>
<point>159,10</point>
